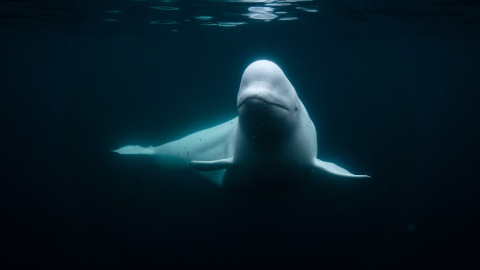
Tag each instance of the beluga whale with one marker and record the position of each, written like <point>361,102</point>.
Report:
<point>270,147</point>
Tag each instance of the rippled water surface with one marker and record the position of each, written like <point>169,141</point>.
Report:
<point>139,16</point>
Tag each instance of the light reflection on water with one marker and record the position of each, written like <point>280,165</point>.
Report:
<point>142,16</point>
<point>223,13</point>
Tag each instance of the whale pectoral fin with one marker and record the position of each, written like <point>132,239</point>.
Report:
<point>212,165</point>
<point>334,169</point>
<point>135,150</point>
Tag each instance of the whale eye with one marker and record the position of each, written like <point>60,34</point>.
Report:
<point>295,108</point>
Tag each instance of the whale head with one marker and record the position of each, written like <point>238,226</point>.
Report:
<point>266,99</point>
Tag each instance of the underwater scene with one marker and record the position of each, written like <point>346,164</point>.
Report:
<point>248,134</point>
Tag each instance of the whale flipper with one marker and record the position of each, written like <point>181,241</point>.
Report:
<point>334,169</point>
<point>212,165</point>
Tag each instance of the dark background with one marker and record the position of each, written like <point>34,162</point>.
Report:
<point>392,99</point>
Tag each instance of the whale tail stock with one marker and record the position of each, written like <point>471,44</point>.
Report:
<point>335,169</point>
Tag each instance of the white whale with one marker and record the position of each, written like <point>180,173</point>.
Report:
<point>271,146</point>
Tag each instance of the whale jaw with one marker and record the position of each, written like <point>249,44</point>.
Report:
<point>259,103</point>
<point>263,119</point>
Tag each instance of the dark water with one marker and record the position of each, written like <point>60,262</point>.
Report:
<point>392,87</point>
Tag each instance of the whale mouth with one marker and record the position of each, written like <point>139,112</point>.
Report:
<point>261,100</point>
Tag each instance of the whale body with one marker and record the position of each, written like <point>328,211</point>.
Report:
<point>270,147</point>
